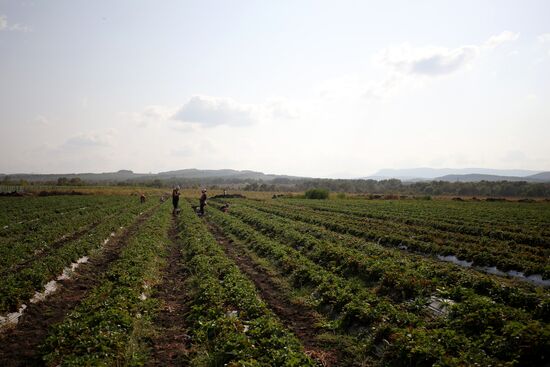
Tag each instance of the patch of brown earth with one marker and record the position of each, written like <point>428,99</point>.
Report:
<point>171,344</point>
<point>300,319</point>
<point>19,346</point>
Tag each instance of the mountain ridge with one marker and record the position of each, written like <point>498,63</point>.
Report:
<point>475,177</point>
<point>406,175</point>
<point>128,175</point>
<point>428,173</point>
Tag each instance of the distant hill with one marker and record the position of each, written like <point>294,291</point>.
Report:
<point>426,173</point>
<point>543,176</point>
<point>192,174</point>
<point>540,177</point>
<point>478,177</point>
<point>127,175</point>
<point>222,173</point>
<point>121,175</point>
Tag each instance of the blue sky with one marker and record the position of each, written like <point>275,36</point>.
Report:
<point>316,88</point>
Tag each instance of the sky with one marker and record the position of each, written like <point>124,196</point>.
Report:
<point>308,88</point>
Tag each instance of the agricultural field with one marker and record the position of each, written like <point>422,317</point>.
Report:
<point>105,280</point>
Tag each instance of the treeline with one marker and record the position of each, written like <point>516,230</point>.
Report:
<point>482,188</point>
<point>61,181</point>
<point>392,186</point>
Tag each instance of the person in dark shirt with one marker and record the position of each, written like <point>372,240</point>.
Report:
<point>175,199</point>
<point>202,202</point>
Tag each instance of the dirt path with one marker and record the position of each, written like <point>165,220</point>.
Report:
<point>300,319</point>
<point>171,343</point>
<point>19,346</point>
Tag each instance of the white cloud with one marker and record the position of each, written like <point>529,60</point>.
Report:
<point>151,114</point>
<point>90,140</point>
<point>497,40</point>
<point>413,66</point>
<point>213,111</point>
<point>427,61</point>
<point>3,22</point>
<point>436,61</point>
<point>343,87</point>
<point>15,27</point>
<point>157,112</point>
<point>19,28</point>
<point>281,109</point>
<point>384,88</point>
<point>42,120</point>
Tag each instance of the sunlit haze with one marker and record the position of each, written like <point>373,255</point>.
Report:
<point>308,88</point>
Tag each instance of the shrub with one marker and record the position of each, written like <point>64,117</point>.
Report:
<point>317,194</point>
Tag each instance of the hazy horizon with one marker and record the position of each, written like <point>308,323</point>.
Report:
<point>309,88</point>
<point>420,172</point>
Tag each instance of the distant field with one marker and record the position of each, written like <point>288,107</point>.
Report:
<point>103,279</point>
<point>88,190</point>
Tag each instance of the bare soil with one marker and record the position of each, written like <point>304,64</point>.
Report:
<point>171,344</point>
<point>300,319</point>
<point>20,345</point>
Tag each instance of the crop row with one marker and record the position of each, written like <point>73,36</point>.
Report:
<point>19,248</point>
<point>20,229</point>
<point>530,255</point>
<point>483,254</point>
<point>18,286</point>
<point>527,233</point>
<point>376,265</point>
<point>111,324</point>
<point>17,211</point>
<point>527,236</point>
<point>507,216</point>
<point>477,330</point>
<point>229,324</point>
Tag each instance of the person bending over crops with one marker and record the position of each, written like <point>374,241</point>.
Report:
<point>175,199</point>
<point>202,202</point>
<point>142,198</point>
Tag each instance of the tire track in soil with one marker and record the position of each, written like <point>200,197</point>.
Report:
<point>300,319</point>
<point>20,345</point>
<point>170,344</point>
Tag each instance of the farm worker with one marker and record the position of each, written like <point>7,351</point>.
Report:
<point>142,198</point>
<point>202,201</point>
<point>225,207</point>
<point>175,198</point>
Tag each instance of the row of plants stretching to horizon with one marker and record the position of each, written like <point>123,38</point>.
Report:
<point>386,310</point>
